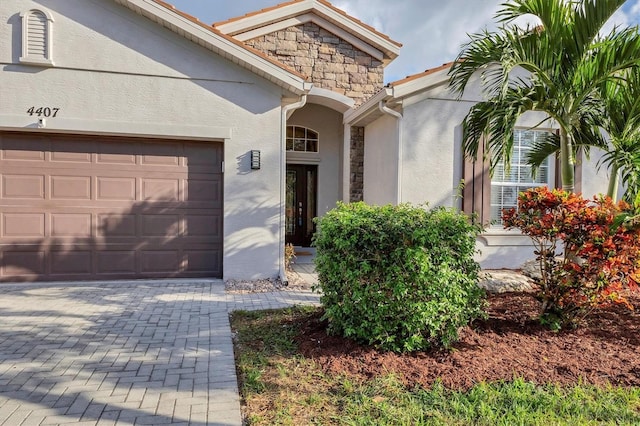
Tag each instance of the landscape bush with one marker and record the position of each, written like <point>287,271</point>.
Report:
<point>401,278</point>
<point>601,244</point>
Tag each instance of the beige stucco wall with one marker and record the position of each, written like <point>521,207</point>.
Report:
<point>381,161</point>
<point>430,163</point>
<point>595,176</point>
<point>328,124</point>
<point>116,72</point>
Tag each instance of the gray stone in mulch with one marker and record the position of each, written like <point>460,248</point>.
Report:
<point>505,280</point>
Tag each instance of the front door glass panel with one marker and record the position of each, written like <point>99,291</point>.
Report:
<point>291,201</point>
<point>301,203</point>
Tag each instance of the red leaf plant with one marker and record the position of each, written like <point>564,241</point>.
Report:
<point>601,245</point>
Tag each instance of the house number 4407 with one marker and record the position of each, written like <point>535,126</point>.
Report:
<point>43,111</point>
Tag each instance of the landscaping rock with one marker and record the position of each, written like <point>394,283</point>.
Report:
<point>494,281</point>
<point>504,280</point>
<point>253,286</point>
<point>531,268</point>
<point>267,285</point>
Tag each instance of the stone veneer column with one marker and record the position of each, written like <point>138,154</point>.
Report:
<point>357,164</point>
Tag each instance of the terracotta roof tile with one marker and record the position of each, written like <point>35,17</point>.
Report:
<point>420,75</point>
<point>230,39</point>
<point>257,12</point>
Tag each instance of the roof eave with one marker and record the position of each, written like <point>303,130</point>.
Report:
<point>368,111</point>
<point>395,93</point>
<point>421,82</point>
<point>323,9</point>
<point>206,36</point>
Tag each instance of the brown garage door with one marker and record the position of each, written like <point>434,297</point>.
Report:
<point>76,207</point>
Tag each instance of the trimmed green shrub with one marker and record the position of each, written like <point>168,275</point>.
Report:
<point>401,278</point>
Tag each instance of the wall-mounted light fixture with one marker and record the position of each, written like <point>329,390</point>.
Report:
<point>255,159</point>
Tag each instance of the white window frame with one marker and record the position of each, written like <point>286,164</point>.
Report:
<point>496,226</point>
<point>30,59</point>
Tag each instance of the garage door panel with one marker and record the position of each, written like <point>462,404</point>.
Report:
<point>22,186</point>
<point>203,190</point>
<point>116,262</point>
<point>117,153</point>
<point>201,260</point>
<point>162,225</point>
<point>202,158</point>
<point>157,261</point>
<point>70,188</point>
<point>24,149</point>
<point>67,263</point>
<point>117,225</point>
<point>100,208</point>
<point>154,189</point>
<point>23,225</point>
<point>23,263</point>
<point>207,225</point>
<point>71,157</point>
<point>71,225</point>
<point>24,156</point>
<point>168,154</point>
<point>116,188</point>
<point>73,151</point>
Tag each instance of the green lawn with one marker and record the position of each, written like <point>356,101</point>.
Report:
<point>279,386</point>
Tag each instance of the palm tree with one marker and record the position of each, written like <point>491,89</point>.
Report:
<point>622,103</point>
<point>556,67</point>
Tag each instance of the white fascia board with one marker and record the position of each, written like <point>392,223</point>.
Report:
<point>392,49</point>
<point>318,20</point>
<point>220,45</point>
<point>252,33</point>
<point>355,116</point>
<point>420,84</point>
<point>270,17</point>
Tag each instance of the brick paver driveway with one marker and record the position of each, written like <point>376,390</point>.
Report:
<point>121,353</point>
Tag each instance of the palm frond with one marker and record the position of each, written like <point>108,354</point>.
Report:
<point>564,68</point>
<point>607,59</point>
<point>542,149</point>
<point>484,49</point>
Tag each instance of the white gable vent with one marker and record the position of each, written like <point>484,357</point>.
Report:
<point>36,37</point>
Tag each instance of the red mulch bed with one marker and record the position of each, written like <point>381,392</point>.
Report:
<point>510,343</point>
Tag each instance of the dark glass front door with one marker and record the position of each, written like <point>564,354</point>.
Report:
<point>301,203</point>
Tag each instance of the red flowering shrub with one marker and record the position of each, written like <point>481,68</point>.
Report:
<point>601,251</point>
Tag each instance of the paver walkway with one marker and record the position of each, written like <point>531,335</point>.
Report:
<point>143,352</point>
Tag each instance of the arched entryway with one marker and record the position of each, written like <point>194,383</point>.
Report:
<point>315,158</point>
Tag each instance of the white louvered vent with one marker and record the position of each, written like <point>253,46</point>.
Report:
<point>37,35</point>
<point>36,38</point>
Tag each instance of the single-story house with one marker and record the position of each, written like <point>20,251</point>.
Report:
<point>139,142</point>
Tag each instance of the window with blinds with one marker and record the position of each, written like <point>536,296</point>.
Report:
<point>508,182</point>
<point>36,38</point>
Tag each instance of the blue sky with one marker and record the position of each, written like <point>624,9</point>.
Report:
<point>431,31</point>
